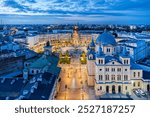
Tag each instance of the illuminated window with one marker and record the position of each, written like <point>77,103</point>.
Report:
<point>138,84</point>
<point>134,84</point>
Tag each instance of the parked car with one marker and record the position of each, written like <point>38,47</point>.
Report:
<point>141,92</point>
<point>137,93</point>
<point>25,92</point>
<point>20,97</point>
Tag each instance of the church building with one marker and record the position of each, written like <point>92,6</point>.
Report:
<point>110,68</point>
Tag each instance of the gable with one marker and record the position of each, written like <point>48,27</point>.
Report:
<point>113,63</point>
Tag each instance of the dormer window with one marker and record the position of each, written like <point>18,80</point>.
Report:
<point>126,61</point>
<point>100,61</point>
<point>91,56</point>
<point>108,49</point>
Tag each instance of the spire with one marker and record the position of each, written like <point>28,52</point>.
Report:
<point>100,51</point>
<point>92,44</point>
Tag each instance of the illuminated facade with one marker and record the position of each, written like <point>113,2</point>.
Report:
<point>110,72</point>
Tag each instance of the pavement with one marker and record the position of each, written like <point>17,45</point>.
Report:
<point>74,82</point>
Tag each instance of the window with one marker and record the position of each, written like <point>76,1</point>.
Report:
<point>113,62</point>
<point>112,77</point>
<point>108,49</point>
<point>134,74</point>
<point>107,69</point>
<point>113,69</point>
<point>119,69</point>
<point>26,65</point>
<point>100,87</point>
<point>126,69</point>
<point>138,84</point>
<point>99,61</point>
<point>106,77</point>
<point>126,88</point>
<point>118,77</point>
<point>127,62</point>
<point>100,69</point>
<point>100,77</point>
<point>124,61</point>
<point>125,77</point>
<point>134,84</point>
<point>32,71</point>
<point>91,56</point>
<point>138,74</point>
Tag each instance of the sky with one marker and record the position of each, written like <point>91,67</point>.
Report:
<point>75,11</point>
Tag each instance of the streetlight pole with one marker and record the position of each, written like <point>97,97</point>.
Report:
<point>66,92</point>
<point>82,93</point>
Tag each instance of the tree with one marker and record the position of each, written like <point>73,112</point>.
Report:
<point>47,43</point>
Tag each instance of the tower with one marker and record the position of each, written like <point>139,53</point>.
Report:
<point>75,36</point>
<point>48,49</point>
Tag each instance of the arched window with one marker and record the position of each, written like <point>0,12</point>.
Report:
<point>100,87</point>
<point>99,61</point>
<point>134,74</point>
<point>32,71</point>
<point>134,84</point>
<point>138,84</point>
<point>91,56</point>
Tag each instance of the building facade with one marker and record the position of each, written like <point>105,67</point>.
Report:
<point>110,71</point>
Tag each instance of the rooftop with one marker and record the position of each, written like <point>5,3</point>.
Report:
<point>44,61</point>
<point>106,38</point>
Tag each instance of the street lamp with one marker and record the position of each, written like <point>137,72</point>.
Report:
<point>82,93</point>
<point>66,92</point>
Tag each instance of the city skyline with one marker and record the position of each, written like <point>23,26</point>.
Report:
<point>67,11</point>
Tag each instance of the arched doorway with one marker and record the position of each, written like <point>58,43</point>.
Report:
<point>148,87</point>
<point>107,89</point>
<point>113,89</point>
<point>119,89</point>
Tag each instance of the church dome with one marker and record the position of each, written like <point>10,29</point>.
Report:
<point>106,38</point>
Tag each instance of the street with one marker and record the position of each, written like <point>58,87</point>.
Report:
<point>74,82</point>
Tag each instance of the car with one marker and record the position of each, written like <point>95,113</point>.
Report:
<point>12,82</point>
<point>137,93</point>
<point>141,92</point>
<point>7,98</point>
<point>3,80</point>
<point>25,92</point>
<point>39,79</point>
<point>32,80</point>
<point>35,85</point>
<point>20,97</point>
<point>24,81</point>
<point>43,96</point>
<point>32,90</point>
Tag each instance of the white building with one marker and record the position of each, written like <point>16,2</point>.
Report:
<point>137,49</point>
<point>110,71</point>
<point>32,40</point>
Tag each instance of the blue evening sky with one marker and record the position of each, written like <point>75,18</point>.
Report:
<point>73,11</point>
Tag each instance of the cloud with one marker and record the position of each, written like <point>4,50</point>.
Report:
<point>79,8</point>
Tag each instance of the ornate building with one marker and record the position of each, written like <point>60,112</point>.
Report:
<point>75,36</point>
<point>110,71</point>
